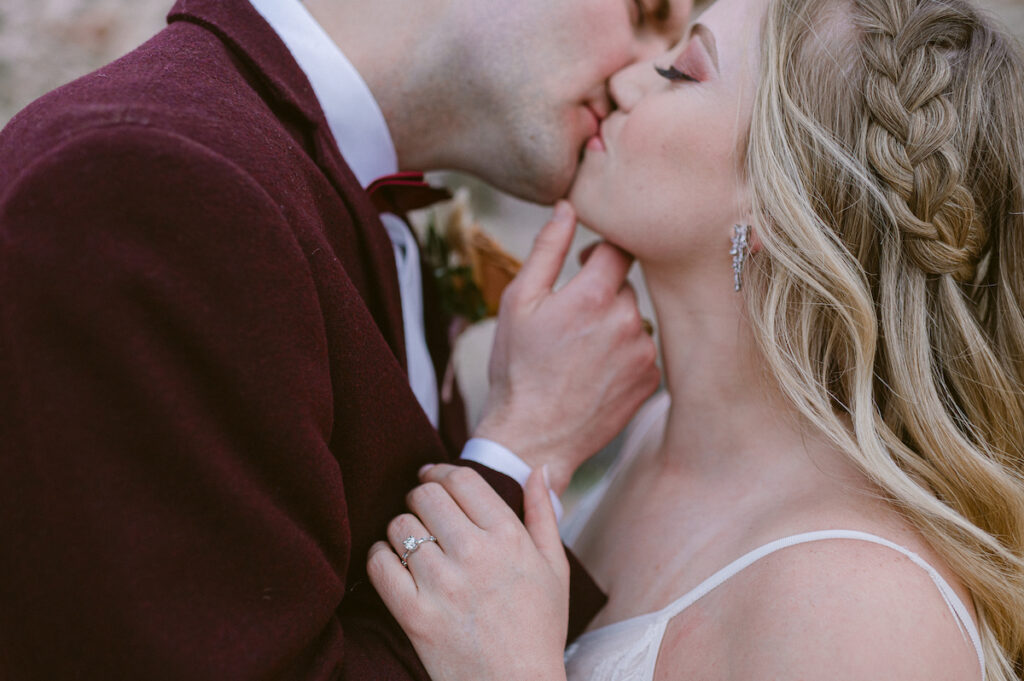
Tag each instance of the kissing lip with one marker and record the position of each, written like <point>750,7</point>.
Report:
<point>598,119</point>
<point>595,140</point>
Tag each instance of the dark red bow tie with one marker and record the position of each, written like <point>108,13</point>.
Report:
<point>404,192</point>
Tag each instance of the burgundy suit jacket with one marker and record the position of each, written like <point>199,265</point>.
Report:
<point>205,419</point>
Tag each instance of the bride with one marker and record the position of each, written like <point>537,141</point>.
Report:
<point>827,201</point>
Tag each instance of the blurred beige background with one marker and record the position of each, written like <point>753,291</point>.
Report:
<point>46,43</point>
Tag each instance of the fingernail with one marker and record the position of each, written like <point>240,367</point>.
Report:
<point>424,470</point>
<point>547,478</point>
<point>562,211</point>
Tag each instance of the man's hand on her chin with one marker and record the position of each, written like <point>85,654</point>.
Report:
<point>568,368</point>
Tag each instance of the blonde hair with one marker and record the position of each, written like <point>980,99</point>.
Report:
<point>886,161</point>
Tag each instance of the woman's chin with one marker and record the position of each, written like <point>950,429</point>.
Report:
<point>596,221</point>
<point>592,218</point>
<point>584,215</point>
<point>581,196</point>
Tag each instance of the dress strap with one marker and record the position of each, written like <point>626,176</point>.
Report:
<point>956,606</point>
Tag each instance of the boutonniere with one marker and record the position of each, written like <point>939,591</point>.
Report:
<point>470,267</point>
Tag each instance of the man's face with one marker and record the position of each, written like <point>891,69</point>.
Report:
<point>538,71</point>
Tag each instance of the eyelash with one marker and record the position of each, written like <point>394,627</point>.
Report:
<point>674,74</point>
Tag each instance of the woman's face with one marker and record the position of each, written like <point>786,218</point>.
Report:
<point>663,179</point>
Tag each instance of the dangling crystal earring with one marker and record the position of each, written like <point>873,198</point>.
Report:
<point>740,246</point>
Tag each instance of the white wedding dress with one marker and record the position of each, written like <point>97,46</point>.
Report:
<point>628,650</point>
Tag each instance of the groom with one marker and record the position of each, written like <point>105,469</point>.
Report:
<point>219,363</point>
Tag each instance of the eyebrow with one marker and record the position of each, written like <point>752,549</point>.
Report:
<point>708,38</point>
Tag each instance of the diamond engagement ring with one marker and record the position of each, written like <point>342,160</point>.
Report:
<point>411,544</point>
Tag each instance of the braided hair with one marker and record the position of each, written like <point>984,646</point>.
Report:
<point>886,161</point>
<point>912,131</point>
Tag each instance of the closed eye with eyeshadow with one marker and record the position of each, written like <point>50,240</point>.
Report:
<point>696,63</point>
<point>673,73</point>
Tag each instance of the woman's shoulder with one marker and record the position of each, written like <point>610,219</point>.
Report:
<point>843,608</point>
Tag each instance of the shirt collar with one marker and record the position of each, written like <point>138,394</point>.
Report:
<point>353,115</point>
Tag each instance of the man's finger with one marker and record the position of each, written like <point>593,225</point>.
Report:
<point>628,293</point>
<point>606,267</point>
<point>540,271</point>
<point>585,254</point>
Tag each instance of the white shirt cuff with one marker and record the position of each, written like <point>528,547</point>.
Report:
<point>494,456</point>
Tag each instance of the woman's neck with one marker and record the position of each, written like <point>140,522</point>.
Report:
<point>728,416</point>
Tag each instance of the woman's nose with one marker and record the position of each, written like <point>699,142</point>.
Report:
<point>630,84</point>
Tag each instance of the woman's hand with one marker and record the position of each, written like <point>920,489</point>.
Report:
<point>489,600</point>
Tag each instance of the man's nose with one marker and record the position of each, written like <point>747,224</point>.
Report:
<point>652,46</point>
<point>668,24</point>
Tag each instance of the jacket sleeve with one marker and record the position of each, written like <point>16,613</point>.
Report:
<point>169,508</point>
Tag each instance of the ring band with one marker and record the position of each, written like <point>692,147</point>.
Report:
<point>411,544</point>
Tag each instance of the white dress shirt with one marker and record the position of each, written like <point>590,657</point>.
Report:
<point>362,135</point>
